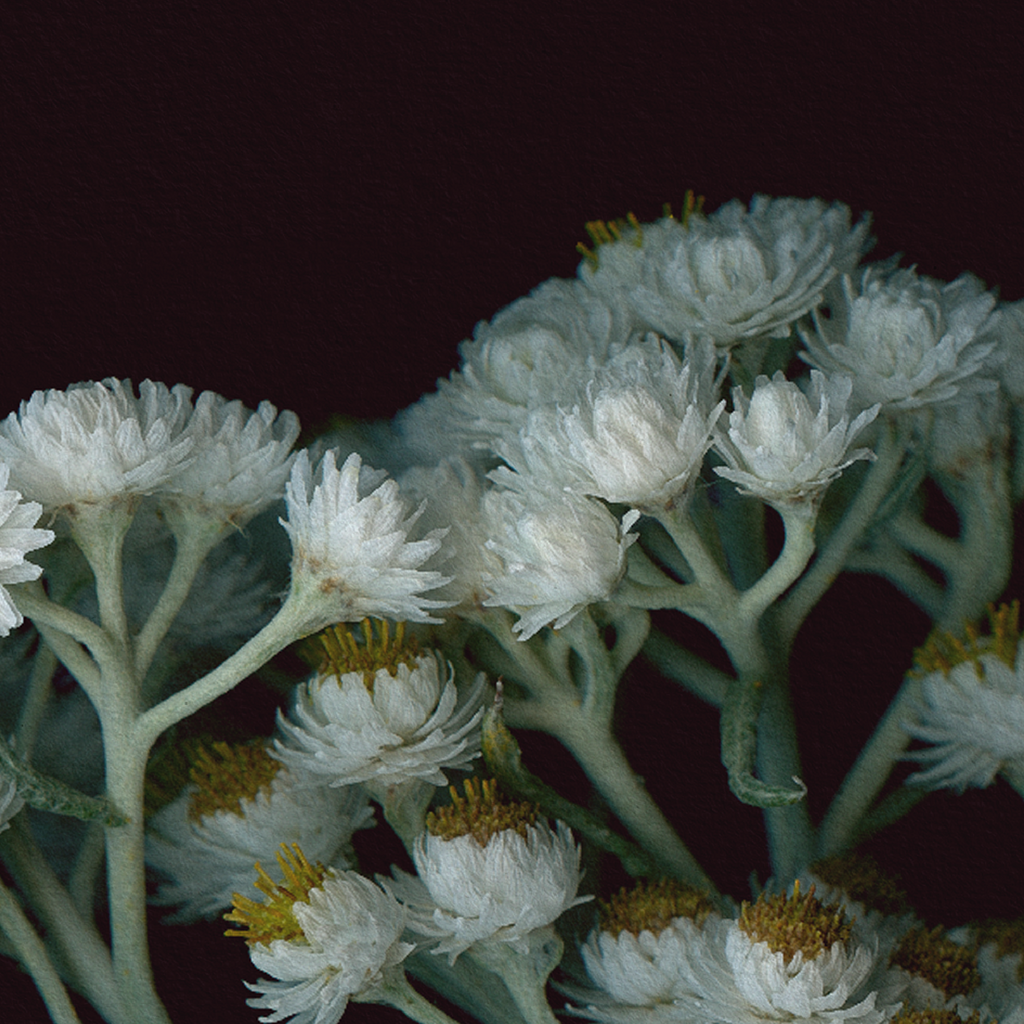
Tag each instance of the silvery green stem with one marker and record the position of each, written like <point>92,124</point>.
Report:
<point>194,538</point>
<point>891,562</point>
<point>44,664</point>
<point>397,992</point>
<point>525,973</point>
<point>796,553</point>
<point>707,572</point>
<point>32,953</point>
<point>833,554</point>
<point>466,984</point>
<point>866,778</point>
<point>86,869</point>
<point>683,666</point>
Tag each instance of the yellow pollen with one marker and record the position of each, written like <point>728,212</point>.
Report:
<point>792,924</point>
<point>943,650</point>
<point>226,774</point>
<point>860,877</point>
<point>651,906</point>
<point>935,1017</point>
<point>274,918</point>
<point>341,653</point>
<point>480,814</point>
<point>951,968</point>
<point>603,232</point>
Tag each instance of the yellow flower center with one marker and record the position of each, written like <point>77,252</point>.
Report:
<point>951,968</point>
<point>342,653</point>
<point>794,924</point>
<point>860,877</point>
<point>943,650</point>
<point>226,774</point>
<point>274,918</point>
<point>651,906</point>
<point>604,232</point>
<point>480,814</point>
<point>934,1017</point>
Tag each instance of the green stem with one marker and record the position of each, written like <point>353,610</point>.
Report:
<point>525,973</point>
<point>796,553</point>
<point>682,666</point>
<point>866,778</point>
<point>32,953</point>
<point>36,698</point>
<point>397,992</point>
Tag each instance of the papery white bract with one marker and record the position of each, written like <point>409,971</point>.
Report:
<point>95,443</point>
<point>405,726</point>
<point>240,459</point>
<point>637,434</point>
<point>973,722</point>
<point>351,940</point>
<point>735,274</point>
<point>786,447</point>
<point>18,536</point>
<point>906,341</point>
<point>350,544</point>
<point>560,553</point>
<point>501,892</point>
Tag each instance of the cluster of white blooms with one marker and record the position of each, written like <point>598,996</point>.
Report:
<point>18,536</point>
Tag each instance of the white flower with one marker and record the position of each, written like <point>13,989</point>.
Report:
<point>534,351</point>
<point>560,553</point>
<point>351,932</point>
<point>17,537</point>
<point>240,459</point>
<point>786,447</point>
<point>403,726</point>
<point>637,435</point>
<point>351,547</point>
<point>96,442</point>
<point>1007,359</point>
<point>10,803</point>
<point>975,726</point>
<point>207,858</point>
<point>906,341</point>
<point>499,893</point>
<point>733,275</point>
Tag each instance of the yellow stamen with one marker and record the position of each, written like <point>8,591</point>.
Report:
<point>860,877</point>
<point>792,924</point>
<point>343,653</point>
<point>944,650</point>
<point>951,968</point>
<point>481,814</point>
<point>226,774</point>
<point>651,906</point>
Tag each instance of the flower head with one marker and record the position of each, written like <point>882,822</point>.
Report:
<point>326,936</point>
<point>350,545</point>
<point>18,536</point>
<point>736,274</point>
<point>381,713</point>
<point>95,443</point>
<point>906,341</point>
<point>240,805</point>
<point>559,553</point>
<point>786,447</point>
<point>488,872</point>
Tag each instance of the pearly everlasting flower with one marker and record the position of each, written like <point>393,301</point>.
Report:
<point>10,802</point>
<point>18,536</point>
<point>94,443</point>
<point>533,352</point>
<point>559,553</point>
<point>1006,362</point>
<point>383,725</point>
<point>637,434</point>
<point>736,274</point>
<point>240,459</point>
<point>325,937</point>
<point>907,341</point>
<point>786,447</point>
<point>237,811</point>
<point>495,882</point>
<point>350,544</point>
<point>973,720</point>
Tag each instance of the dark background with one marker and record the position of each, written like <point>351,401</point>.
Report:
<point>314,204</point>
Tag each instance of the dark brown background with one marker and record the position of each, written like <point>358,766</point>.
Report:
<point>315,203</point>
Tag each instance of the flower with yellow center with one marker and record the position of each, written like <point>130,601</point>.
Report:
<point>238,807</point>
<point>326,936</point>
<point>490,872</point>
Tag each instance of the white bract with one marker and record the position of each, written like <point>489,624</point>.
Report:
<point>209,859</point>
<point>906,340</point>
<point>974,726</point>
<point>351,552</point>
<point>499,893</point>
<point>786,447</point>
<point>351,941</point>
<point>736,274</point>
<point>95,443</point>
<point>559,553</point>
<point>18,536</point>
<point>637,434</point>
<point>403,726</point>
<point>240,459</point>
